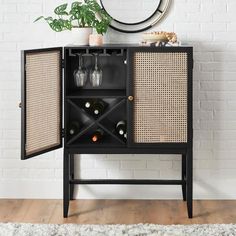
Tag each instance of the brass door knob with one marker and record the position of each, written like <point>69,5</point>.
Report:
<point>19,105</point>
<point>130,98</point>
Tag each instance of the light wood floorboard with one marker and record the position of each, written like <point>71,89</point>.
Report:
<point>117,211</point>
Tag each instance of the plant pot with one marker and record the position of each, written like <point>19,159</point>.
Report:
<point>95,39</point>
<point>80,36</point>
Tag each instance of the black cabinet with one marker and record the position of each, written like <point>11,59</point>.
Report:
<point>149,89</point>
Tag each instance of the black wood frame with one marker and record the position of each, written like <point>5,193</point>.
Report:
<point>185,149</point>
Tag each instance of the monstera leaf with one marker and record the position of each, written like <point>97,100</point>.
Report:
<point>61,10</point>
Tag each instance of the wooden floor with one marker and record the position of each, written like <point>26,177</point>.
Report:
<point>117,211</point>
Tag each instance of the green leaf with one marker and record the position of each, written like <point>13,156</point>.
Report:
<point>64,13</point>
<point>67,25</point>
<point>76,4</point>
<point>93,5</point>
<point>60,9</point>
<point>56,25</point>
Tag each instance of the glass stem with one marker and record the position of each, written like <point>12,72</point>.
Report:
<point>80,61</point>
<point>96,61</point>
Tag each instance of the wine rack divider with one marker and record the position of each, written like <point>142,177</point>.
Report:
<point>95,121</point>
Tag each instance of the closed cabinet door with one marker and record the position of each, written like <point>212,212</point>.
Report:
<point>159,110</point>
<point>41,101</point>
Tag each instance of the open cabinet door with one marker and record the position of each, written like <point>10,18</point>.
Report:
<point>41,101</point>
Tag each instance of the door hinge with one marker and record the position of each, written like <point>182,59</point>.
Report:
<point>63,133</point>
<point>63,63</point>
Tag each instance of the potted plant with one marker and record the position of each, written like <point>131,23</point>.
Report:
<point>80,19</point>
<point>101,24</point>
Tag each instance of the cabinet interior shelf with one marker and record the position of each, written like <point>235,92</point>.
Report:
<point>97,93</point>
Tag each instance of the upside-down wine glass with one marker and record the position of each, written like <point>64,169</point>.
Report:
<point>80,74</point>
<point>96,74</point>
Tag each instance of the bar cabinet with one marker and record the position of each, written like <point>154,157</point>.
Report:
<point>150,88</point>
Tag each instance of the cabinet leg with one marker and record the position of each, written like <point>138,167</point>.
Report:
<point>66,184</point>
<point>184,176</point>
<point>72,159</point>
<point>189,179</point>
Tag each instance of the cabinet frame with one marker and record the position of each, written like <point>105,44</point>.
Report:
<point>185,149</point>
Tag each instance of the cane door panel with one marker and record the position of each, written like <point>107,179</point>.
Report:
<point>41,101</point>
<point>159,108</point>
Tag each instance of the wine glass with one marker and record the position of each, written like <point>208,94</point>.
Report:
<point>96,74</point>
<point>80,74</point>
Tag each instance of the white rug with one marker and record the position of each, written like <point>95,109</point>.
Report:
<point>14,229</point>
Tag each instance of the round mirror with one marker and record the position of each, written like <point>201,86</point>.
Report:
<point>131,11</point>
<point>133,16</point>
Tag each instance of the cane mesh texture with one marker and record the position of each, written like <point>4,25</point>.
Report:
<point>42,101</point>
<point>160,97</point>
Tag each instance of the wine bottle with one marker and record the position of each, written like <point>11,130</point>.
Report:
<point>98,107</point>
<point>74,127</point>
<point>97,136</point>
<point>121,127</point>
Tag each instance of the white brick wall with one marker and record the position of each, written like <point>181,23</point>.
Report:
<point>207,25</point>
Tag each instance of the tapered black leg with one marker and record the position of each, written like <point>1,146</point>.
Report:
<point>71,176</point>
<point>184,176</point>
<point>66,188</point>
<point>189,178</point>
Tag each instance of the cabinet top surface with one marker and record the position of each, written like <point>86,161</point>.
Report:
<point>124,46</point>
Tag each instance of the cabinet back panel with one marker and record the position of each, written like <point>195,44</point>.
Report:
<point>113,69</point>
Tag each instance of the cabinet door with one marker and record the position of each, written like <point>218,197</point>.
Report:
<point>41,104</point>
<point>159,82</point>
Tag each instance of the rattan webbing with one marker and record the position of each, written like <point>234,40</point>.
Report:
<point>160,97</point>
<point>42,101</point>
